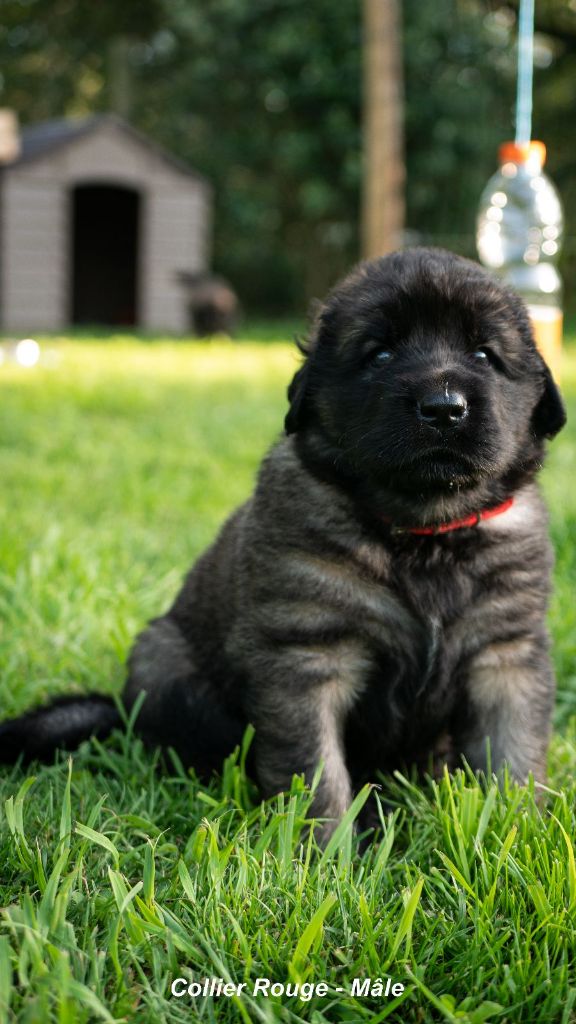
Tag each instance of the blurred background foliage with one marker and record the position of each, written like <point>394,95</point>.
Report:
<point>264,98</point>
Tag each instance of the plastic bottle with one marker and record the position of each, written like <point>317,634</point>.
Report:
<point>519,234</point>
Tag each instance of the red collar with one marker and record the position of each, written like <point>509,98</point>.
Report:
<point>456,524</point>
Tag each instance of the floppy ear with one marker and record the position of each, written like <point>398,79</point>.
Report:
<point>298,390</point>
<point>296,396</point>
<point>549,415</point>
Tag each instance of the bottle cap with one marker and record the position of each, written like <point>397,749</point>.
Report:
<point>522,152</point>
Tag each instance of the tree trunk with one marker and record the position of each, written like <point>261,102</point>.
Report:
<point>120,92</point>
<point>384,171</point>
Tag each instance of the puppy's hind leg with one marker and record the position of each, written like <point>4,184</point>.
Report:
<point>182,708</point>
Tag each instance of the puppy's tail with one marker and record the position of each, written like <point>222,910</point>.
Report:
<point>62,725</point>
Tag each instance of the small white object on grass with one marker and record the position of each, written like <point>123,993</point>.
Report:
<point>27,352</point>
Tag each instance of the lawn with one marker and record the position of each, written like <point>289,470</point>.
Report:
<point>118,460</point>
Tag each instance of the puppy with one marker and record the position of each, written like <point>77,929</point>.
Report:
<point>384,589</point>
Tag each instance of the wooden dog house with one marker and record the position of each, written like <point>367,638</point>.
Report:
<point>97,226</point>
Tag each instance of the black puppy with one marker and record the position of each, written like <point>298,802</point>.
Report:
<point>384,589</point>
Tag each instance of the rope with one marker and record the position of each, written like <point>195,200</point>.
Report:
<point>525,65</point>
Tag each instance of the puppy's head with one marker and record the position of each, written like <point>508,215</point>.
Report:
<point>422,375</point>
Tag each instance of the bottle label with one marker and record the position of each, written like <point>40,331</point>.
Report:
<point>547,324</point>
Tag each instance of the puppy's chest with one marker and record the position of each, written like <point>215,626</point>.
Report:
<point>437,596</point>
<point>410,693</point>
<point>433,585</point>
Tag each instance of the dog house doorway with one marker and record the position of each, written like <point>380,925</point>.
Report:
<point>105,223</point>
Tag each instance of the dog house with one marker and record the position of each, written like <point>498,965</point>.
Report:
<point>98,225</point>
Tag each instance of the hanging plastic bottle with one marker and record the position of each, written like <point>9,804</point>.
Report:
<point>519,234</point>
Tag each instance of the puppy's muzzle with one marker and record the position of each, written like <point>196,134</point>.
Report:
<point>443,409</point>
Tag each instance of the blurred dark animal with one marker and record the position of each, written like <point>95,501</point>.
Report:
<point>212,302</point>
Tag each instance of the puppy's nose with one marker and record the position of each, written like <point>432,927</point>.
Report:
<point>443,409</point>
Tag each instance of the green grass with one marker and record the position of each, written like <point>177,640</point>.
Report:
<point>118,463</point>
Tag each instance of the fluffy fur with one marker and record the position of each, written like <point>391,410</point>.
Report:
<point>342,639</point>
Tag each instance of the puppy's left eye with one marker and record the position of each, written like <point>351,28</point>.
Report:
<point>481,356</point>
<point>381,357</point>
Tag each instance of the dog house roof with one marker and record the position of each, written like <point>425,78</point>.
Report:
<point>39,140</point>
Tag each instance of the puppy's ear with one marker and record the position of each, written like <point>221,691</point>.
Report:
<point>296,415</point>
<point>549,415</point>
<point>300,383</point>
